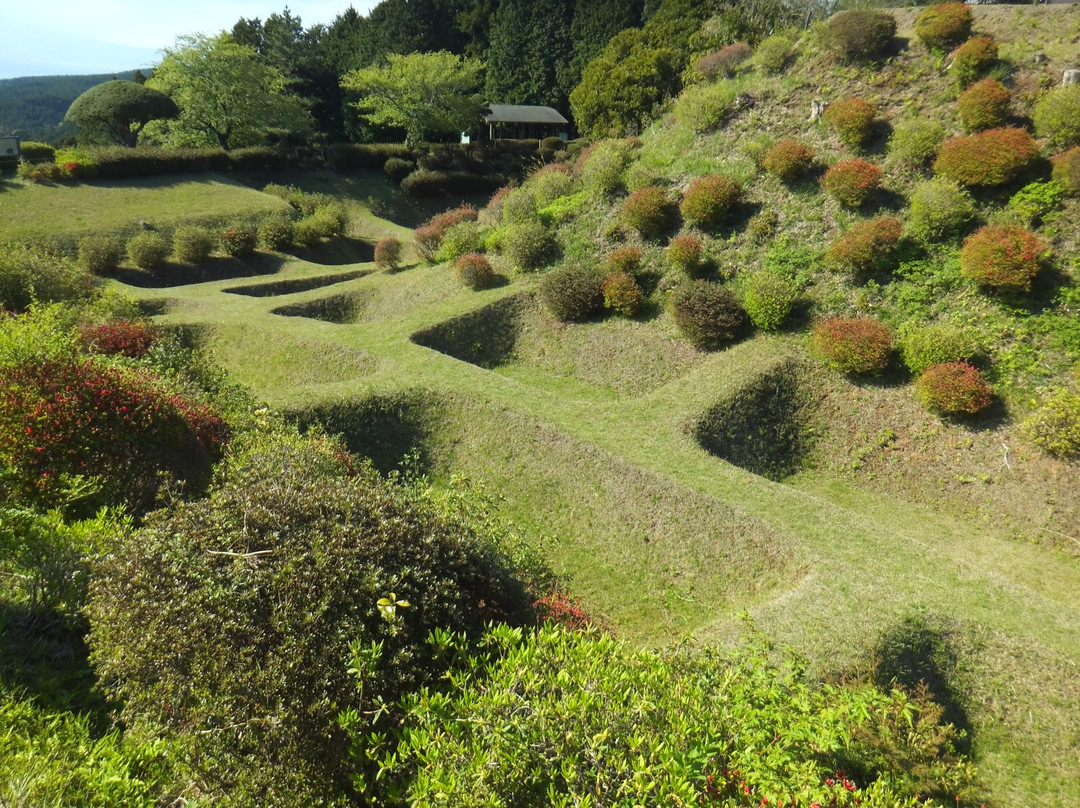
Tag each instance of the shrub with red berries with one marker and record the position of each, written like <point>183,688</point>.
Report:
<point>987,158</point>
<point>1002,256</point>
<point>850,182</point>
<point>953,388</point>
<point>858,345</point>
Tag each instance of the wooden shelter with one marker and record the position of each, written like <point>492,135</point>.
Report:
<point>522,122</point>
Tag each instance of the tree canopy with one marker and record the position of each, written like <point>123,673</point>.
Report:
<point>228,96</point>
<point>116,111</point>
<point>423,93</point>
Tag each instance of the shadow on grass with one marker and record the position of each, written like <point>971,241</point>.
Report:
<point>341,309</point>
<point>216,269</point>
<point>278,288</point>
<point>336,252</point>
<point>391,430</point>
<point>486,337</point>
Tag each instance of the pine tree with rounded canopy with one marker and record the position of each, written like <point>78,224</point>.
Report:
<point>115,112</point>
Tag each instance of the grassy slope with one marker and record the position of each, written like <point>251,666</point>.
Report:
<point>589,447</point>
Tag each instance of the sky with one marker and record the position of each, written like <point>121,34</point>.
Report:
<point>70,37</point>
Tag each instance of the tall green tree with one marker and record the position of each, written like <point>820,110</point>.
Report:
<point>594,23</point>
<point>423,93</point>
<point>228,96</point>
<point>116,111</point>
<point>529,60</point>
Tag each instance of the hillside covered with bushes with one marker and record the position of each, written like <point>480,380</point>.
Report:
<point>725,457</point>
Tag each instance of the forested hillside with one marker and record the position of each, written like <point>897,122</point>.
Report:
<point>32,108</point>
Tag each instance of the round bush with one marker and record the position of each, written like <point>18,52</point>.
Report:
<point>1067,170</point>
<point>528,245</point>
<point>148,250</point>
<point>953,388</point>
<point>788,160</point>
<point>426,239</point>
<point>940,209</point>
<point>944,26</point>
<point>626,260</point>
<point>331,219</point>
<point>972,59</point>
<point>935,343</point>
<point>850,182</point>
<point>984,105</point>
<point>851,119</point>
<point>388,253</point>
<point>239,240</point>
<point>684,253</point>
<point>1055,426</point>
<point>444,221</point>
<point>276,232</point>
<point>707,314</point>
<point>549,183</point>
<point>710,200</point>
<point>769,299</point>
<point>648,211</point>
<point>307,232</point>
<point>572,293</point>
<point>1002,256</point>
<point>601,167</point>
<point>474,271</point>
<point>192,244</point>
<point>29,276</point>
<point>865,246</point>
<point>100,254</point>
<point>463,237</point>
<point>992,157</point>
<point>858,345</point>
<point>772,54</point>
<point>622,294</point>
<point>855,35</point>
<point>397,169</point>
<point>724,62</point>
<point>916,140</point>
<point>1057,116</point>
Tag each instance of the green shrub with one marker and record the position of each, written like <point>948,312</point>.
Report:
<point>388,254</point>
<point>528,245</point>
<point>684,253</point>
<point>992,157</point>
<point>916,140</point>
<point>647,210</point>
<point>865,246</point>
<point>1057,116</point>
<point>1036,200</point>
<point>426,184</point>
<point>192,244</point>
<point>307,232</point>
<point>762,227</point>
<point>148,250</point>
<point>34,152</point>
<point>397,169</point>
<point>851,119</point>
<point>474,271</point>
<point>601,167</point>
<point>28,275</point>
<point>851,182</point>
<point>772,54</point>
<point>972,59</point>
<point>984,105</point>
<point>626,260</point>
<point>461,238</point>
<point>518,206</point>
<point>239,240</point>
<point>944,26</point>
<point>724,62</point>
<point>704,107</point>
<point>769,299</point>
<point>100,254</point>
<point>41,172</point>
<point>940,209</point>
<point>76,163</point>
<point>953,388</point>
<point>622,294</point>
<point>276,232</point>
<point>329,220</point>
<point>1055,426</point>
<point>788,160</point>
<point>710,200</point>
<point>923,345</point>
<point>707,314</point>
<point>857,345</point>
<point>549,183</point>
<point>237,612</point>
<point>858,35</point>
<point>1002,256</point>
<point>364,156</point>
<point>572,293</point>
<point>1067,170</point>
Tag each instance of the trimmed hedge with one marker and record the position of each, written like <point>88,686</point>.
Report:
<point>192,244</point>
<point>364,156</point>
<point>707,314</point>
<point>856,345</point>
<point>1057,116</point>
<point>935,343</point>
<point>624,259</point>
<point>915,141</point>
<point>769,299</point>
<point>100,254</point>
<point>992,157</point>
<point>940,209</point>
<point>148,250</point>
<point>1067,170</point>
<point>1055,426</point>
<point>684,253</point>
<point>388,253</point>
<point>648,211</point>
<point>622,294</point>
<point>474,271</point>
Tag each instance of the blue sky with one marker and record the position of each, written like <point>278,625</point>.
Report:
<point>58,37</point>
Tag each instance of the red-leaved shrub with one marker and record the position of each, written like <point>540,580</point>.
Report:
<point>647,210</point>
<point>475,271</point>
<point>709,200</point>
<point>944,25</point>
<point>624,259</point>
<point>851,119</point>
<point>973,58</point>
<point>560,608</point>
<point>684,253</point>
<point>984,105</point>
<point>850,182</point>
<point>865,246</point>
<point>622,294</point>
<point>388,253</point>
<point>427,239</point>
<point>954,388</point>
<point>788,160</point>
<point>130,339</point>
<point>1002,256</point>
<point>987,158</point>
<point>723,62</point>
<point>852,344</point>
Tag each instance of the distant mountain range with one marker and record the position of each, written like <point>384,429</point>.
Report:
<point>33,107</point>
